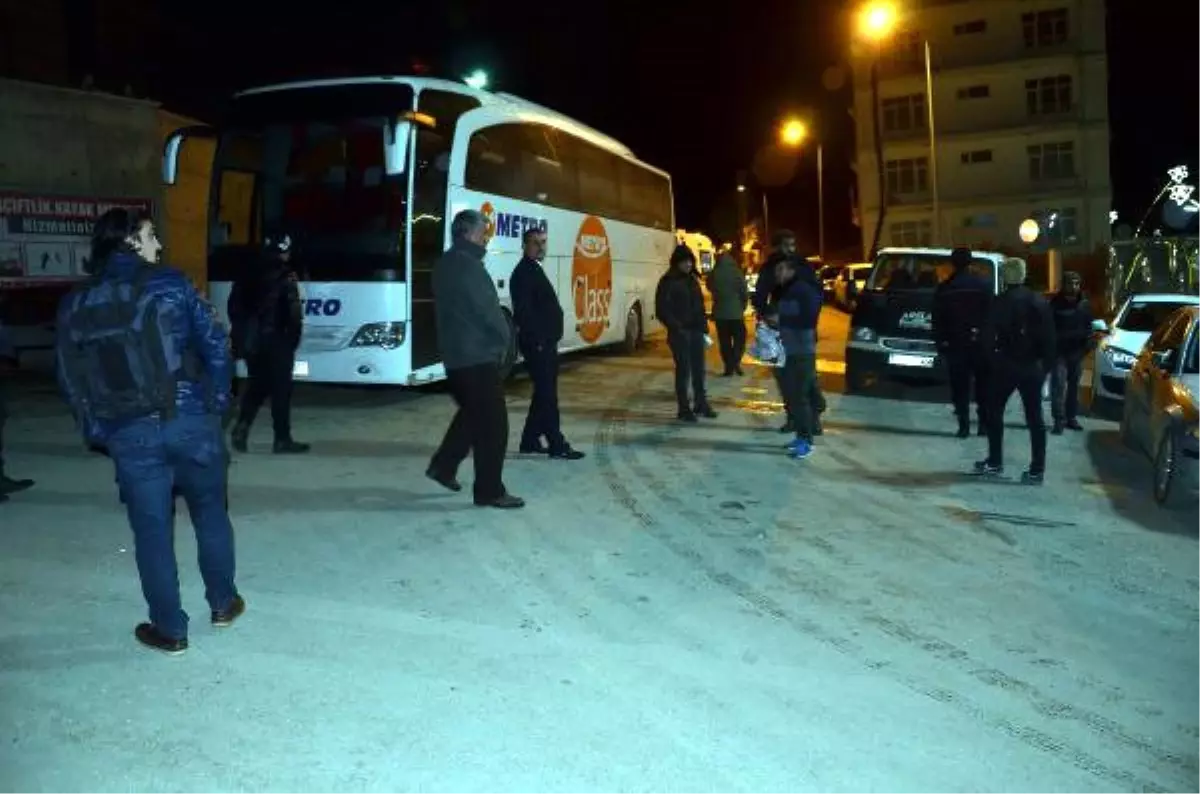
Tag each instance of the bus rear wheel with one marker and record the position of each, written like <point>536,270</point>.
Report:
<point>633,329</point>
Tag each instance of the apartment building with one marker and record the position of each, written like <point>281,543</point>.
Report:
<point>1020,120</point>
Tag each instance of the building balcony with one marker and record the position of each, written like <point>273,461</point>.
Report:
<point>953,58</point>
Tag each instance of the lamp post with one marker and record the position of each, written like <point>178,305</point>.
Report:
<point>792,134</point>
<point>877,23</point>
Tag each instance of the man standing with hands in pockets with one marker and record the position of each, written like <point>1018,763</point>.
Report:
<point>539,319</point>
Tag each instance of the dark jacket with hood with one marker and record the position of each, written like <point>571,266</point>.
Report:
<point>536,310</point>
<point>961,305</point>
<point>1072,324</point>
<point>799,311</point>
<point>264,309</point>
<point>678,301</point>
<point>1020,330</point>
<point>194,330</point>
<point>766,287</point>
<point>727,284</point>
<point>471,327</point>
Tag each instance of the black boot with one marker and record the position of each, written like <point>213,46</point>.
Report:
<point>9,485</point>
<point>287,446</point>
<point>239,437</point>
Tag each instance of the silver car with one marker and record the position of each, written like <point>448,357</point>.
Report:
<point>1119,349</point>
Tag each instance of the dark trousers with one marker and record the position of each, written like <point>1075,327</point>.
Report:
<point>798,379</point>
<point>687,349</point>
<point>153,459</point>
<point>1064,387</point>
<point>1027,381</point>
<point>479,427</point>
<point>543,420</point>
<point>270,377</point>
<point>816,397</point>
<point>731,338</point>
<point>967,370</point>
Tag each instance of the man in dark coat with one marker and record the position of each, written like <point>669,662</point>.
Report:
<point>1073,332</point>
<point>727,283</point>
<point>539,318</point>
<point>679,305</point>
<point>473,338</point>
<point>960,308</point>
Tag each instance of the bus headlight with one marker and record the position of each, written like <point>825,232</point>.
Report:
<point>384,335</point>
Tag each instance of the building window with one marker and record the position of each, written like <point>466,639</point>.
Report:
<point>1049,95</point>
<point>984,220</point>
<point>1052,161</point>
<point>1046,28</point>
<point>903,113</point>
<point>907,176</point>
<point>906,49</point>
<point>974,92</point>
<point>967,28</point>
<point>912,234</point>
<point>1058,226</point>
<point>977,156</point>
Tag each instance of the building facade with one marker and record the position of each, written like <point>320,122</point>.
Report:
<point>1020,120</point>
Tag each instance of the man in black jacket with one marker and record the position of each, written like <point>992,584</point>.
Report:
<point>960,308</point>
<point>765,300</point>
<point>267,321</point>
<point>1073,330</point>
<point>679,304</point>
<point>539,318</point>
<point>1020,334</point>
<point>473,338</point>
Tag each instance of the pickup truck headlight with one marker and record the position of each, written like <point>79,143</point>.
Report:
<point>384,335</point>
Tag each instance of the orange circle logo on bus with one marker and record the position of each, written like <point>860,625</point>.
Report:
<point>489,215</point>
<point>591,279</point>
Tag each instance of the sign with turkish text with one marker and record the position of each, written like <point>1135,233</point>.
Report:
<point>48,237</point>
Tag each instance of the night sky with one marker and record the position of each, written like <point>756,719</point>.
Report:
<point>695,93</point>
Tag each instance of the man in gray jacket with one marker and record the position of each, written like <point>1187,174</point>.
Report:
<point>473,337</point>
<point>8,360</point>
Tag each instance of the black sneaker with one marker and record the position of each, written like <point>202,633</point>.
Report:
<point>225,617</point>
<point>289,447</point>
<point>1073,424</point>
<point>706,411</point>
<point>566,453</point>
<point>686,415</point>
<point>9,485</point>
<point>986,468</point>
<point>1031,477</point>
<point>149,636</point>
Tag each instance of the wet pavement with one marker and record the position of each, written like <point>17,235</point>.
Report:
<point>685,609</point>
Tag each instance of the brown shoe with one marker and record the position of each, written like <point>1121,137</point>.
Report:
<point>224,618</point>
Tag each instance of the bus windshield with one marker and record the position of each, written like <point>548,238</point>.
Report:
<point>311,163</point>
<point>907,272</point>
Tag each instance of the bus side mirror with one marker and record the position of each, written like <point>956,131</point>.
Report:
<point>174,144</point>
<point>396,135</point>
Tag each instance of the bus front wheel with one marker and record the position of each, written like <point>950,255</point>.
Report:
<point>633,329</point>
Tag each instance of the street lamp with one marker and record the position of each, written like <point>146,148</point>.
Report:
<point>477,79</point>
<point>793,133</point>
<point>877,22</point>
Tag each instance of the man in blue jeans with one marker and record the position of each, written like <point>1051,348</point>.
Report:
<point>146,368</point>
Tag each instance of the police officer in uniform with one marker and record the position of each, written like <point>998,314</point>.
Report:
<point>1020,334</point>
<point>267,321</point>
<point>960,308</point>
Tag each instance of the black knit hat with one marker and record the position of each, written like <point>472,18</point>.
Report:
<point>681,253</point>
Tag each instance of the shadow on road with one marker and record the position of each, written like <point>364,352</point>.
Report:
<point>1125,478</point>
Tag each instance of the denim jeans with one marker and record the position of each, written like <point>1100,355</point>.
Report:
<point>154,459</point>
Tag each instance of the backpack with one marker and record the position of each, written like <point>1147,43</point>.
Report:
<point>118,359</point>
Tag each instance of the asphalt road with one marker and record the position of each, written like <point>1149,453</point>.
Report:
<point>685,609</point>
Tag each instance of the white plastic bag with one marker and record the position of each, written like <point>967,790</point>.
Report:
<point>767,347</point>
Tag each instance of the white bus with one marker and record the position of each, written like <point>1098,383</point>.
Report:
<point>366,174</point>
